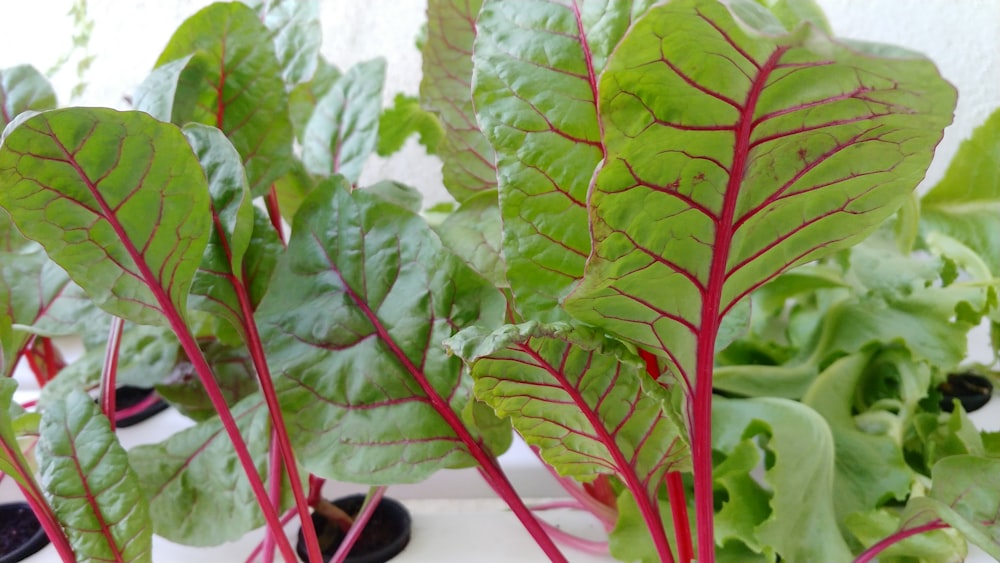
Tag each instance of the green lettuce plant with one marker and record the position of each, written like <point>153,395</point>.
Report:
<point>684,262</point>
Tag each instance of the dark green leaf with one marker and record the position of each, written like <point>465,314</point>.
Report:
<point>234,84</point>
<point>233,370</point>
<point>367,295</point>
<point>303,98</point>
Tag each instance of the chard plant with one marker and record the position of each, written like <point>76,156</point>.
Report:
<point>684,262</point>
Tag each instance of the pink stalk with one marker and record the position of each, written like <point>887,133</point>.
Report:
<point>872,552</point>
<point>138,407</point>
<point>675,484</point>
<point>285,519</point>
<point>274,213</point>
<point>487,463</point>
<point>109,372</point>
<point>372,501</point>
<point>678,509</point>
<point>256,349</point>
<point>607,515</point>
<point>274,464</point>
<point>33,496</point>
<point>576,542</point>
<point>28,354</point>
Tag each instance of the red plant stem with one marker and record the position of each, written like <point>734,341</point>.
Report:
<point>256,349</point>
<point>137,408</point>
<point>576,542</point>
<point>487,463</point>
<point>678,508</point>
<point>33,496</point>
<point>675,484</point>
<point>606,514</point>
<point>274,213</point>
<point>54,361</point>
<point>872,552</point>
<point>28,353</point>
<point>285,519</point>
<point>109,372</point>
<point>274,465</point>
<point>218,400</point>
<point>372,501</point>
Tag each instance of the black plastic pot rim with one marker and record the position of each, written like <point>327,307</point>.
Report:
<point>34,544</point>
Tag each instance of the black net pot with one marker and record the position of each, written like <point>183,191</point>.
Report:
<point>128,397</point>
<point>21,535</point>
<point>972,390</point>
<point>384,537</point>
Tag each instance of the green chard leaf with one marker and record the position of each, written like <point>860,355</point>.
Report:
<point>473,233</point>
<point>297,34</point>
<point>735,154</point>
<point>303,98</point>
<point>213,289</point>
<point>86,182</point>
<point>234,83</point>
<point>233,370</point>
<point>367,295</point>
<point>85,475</point>
<point>23,88</point>
<point>342,130</point>
<point>965,204</point>
<point>539,112</point>
<point>198,493</point>
<point>580,398</point>
<point>446,90</point>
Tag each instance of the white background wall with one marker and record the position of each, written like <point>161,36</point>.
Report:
<point>961,36</point>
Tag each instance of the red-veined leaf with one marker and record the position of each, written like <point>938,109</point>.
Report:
<point>116,198</point>
<point>535,89</point>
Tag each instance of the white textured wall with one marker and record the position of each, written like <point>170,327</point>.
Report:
<point>961,36</point>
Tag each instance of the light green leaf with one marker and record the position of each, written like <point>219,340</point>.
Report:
<point>535,89</point>
<point>446,90</point>
<point>802,525</point>
<point>303,98</point>
<point>116,198</point>
<point>367,295</point>
<point>870,469</point>
<point>12,460</point>
<point>965,204</point>
<point>403,119</point>
<point>473,233</point>
<point>929,547</point>
<point>746,503</point>
<point>297,34</point>
<point>95,494</point>
<point>735,156</point>
<point>234,83</point>
<point>23,88</point>
<point>343,129</point>
<point>579,398</point>
<point>232,369</point>
<point>156,93</point>
<point>409,198</point>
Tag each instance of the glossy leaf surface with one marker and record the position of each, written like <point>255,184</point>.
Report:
<point>232,224</point>
<point>446,89</point>
<point>535,89</point>
<point>734,154</point>
<point>579,398</point>
<point>86,477</point>
<point>234,83</point>
<point>473,232</point>
<point>343,129</point>
<point>367,295</point>
<point>116,198</point>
